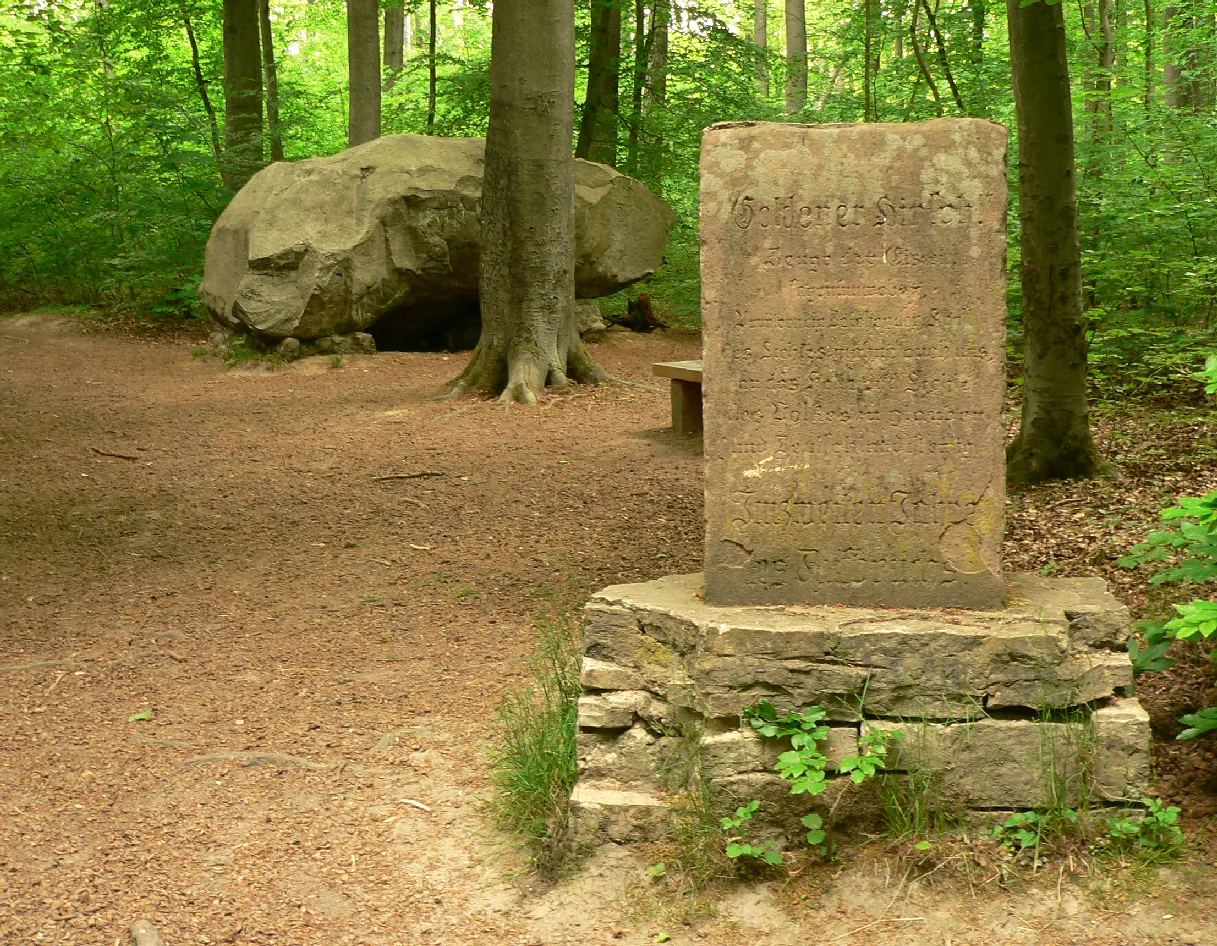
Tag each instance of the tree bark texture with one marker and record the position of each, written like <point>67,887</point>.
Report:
<point>242,93</point>
<point>395,44</point>
<point>760,37</point>
<point>363,70</point>
<point>943,58</point>
<point>796,55</point>
<point>643,37</point>
<point>201,84</point>
<point>598,123</point>
<point>270,76</point>
<point>1175,91</point>
<point>527,269</point>
<point>655,99</point>
<point>922,66</point>
<point>432,35</point>
<point>869,68</point>
<point>1054,440</point>
<point>1149,56</point>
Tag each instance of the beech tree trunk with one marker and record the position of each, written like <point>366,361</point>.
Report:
<point>363,70</point>
<point>1175,91</point>
<point>655,99</point>
<point>760,36</point>
<point>395,44</point>
<point>796,56</point>
<point>527,270</point>
<point>270,75</point>
<point>1149,56</point>
<point>1054,440</point>
<point>598,123</point>
<point>870,67</point>
<point>432,33</point>
<point>642,39</point>
<point>242,93</point>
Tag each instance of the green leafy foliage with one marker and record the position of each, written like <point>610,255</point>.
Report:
<point>1187,553</point>
<point>740,848</point>
<point>804,764</point>
<point>1157,830</point>
<point>1028,829</point>
<point>1199,723</point>
<point>872,754</point>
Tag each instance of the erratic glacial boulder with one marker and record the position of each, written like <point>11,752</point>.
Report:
<point>384,238</point>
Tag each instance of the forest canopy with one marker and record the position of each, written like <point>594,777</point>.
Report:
<point>111,115</point>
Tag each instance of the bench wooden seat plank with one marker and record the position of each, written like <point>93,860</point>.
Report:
<point>686,393</point>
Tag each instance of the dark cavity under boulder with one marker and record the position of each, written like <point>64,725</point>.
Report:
<point>383,238</point>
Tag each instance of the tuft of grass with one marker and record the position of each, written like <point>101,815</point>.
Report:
<point>534,754</point>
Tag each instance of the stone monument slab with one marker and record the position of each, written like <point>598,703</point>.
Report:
<point>853,302</point>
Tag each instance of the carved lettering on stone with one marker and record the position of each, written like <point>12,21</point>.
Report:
<point>853,301</point>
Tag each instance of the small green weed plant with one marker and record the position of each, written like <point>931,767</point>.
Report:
<point>1157,832</point>
<point>739,847</point>
<point>1027,830</point>
<point>805,766</point>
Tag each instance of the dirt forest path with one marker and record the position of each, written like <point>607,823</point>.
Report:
<point>320,653</point>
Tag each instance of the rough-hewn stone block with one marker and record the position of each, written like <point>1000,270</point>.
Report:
<point>1084,678</point>
<point>599,814</point>
<point>853,302</point>
<point>1122,745</point>
<point>994,763</point>
<point>742,750</point>
<point>602,675</point>
<point>610,710</point>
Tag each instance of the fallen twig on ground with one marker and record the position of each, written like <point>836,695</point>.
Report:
<point>406,476</point>
<point>40,665</point>
<point>111,453</point>
<point>248,759</point>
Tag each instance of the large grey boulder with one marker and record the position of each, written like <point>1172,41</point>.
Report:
<point>384,236</point>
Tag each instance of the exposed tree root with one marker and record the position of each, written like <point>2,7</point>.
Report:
<point>524,377</point>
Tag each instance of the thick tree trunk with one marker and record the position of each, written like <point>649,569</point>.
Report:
<point>760,36</point>
<point>363,68</point>
<point>395,44</point>
<point>242,93</point>
<point>598,124</point>
<point>796,56</point>
<point>527,271</point>
<point>270,75</point>
<point>655,101</point>
<point>432,35</point>
<point>1054,438</point>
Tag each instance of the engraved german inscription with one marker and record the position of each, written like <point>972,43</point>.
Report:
<point>853,282</point>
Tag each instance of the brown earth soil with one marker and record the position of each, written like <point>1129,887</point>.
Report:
<point>319,654</point>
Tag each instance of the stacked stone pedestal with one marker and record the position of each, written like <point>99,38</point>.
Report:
<point>1012,709</point>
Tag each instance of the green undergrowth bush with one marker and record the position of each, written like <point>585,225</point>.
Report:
<point>1184,553</point>
<point>533,751</point>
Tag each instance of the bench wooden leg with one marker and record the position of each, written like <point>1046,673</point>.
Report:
<point>686,406</point>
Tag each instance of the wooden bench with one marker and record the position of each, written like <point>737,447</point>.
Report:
<point>686,393</point>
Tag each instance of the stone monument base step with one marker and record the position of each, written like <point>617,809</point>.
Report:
<point>990,711</point>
